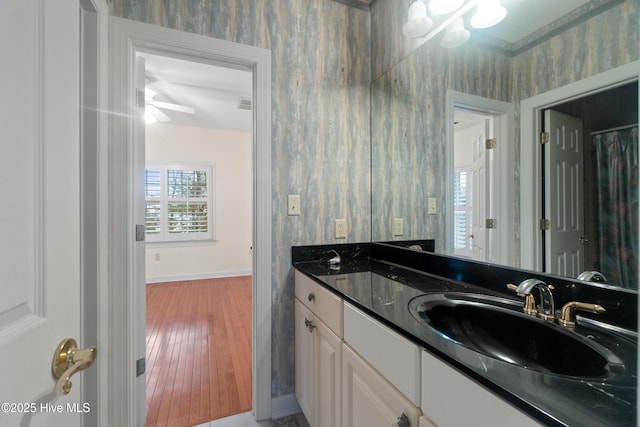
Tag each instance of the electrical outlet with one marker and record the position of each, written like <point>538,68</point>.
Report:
<point>398,227</point>
<point>157,257</point>
<point>341,229</point>
<point>293,207</point>
<point>431,206</point>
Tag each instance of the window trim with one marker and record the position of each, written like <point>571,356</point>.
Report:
<point>164,237</point>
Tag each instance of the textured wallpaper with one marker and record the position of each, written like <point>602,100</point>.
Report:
<point>408,99</point>
<point>320,123</point>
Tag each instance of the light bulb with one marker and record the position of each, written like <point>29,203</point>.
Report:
<point>444,7</point>
<point>149,118</point>
<point>418,23</point>
<point>488,14</point>
<point>455,35</point>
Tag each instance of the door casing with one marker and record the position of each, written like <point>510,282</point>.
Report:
<point>94,308</point>
<point>127,38</point>
<point>501,241</point>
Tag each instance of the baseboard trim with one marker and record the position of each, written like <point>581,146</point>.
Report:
<point>199,276</point>
<point>283,406</point>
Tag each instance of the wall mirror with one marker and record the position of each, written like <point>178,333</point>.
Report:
<point>433,111</point>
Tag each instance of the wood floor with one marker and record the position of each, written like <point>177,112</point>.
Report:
<point>198,350</point>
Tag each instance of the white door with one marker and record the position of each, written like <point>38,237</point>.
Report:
<point>40,215</point>
<point>368,399</point>
<point>327,376</point>
<point>564,210</point>
<point>474,193</point>
<point>479,197</point>
<point>304,358</point>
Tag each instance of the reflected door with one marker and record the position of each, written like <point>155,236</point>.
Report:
<point>473,190</point>
<point>479,198</point>
<point>563,199</point>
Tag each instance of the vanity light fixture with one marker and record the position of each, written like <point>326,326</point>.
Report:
<point>444,7</point>
<point>418,23</point>
<point>455,34</point>
<point>488,14</point>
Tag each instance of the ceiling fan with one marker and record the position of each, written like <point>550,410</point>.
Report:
<point>153,113</point>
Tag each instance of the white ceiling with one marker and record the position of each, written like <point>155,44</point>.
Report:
<point>527,16</point>
<point>214,91</point>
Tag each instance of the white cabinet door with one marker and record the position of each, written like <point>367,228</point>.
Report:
<point>327,376</point>
<point>39,221</point>
<point>318,353</point>
<point>368,399</point>
<point>304,350</point>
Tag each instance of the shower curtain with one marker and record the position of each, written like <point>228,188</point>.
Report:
<point>617,188</point>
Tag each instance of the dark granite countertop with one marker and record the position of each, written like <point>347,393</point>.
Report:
<point>385,289</point>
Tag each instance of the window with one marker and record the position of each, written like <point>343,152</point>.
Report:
<point>178,202</point>
<point>462,213</point>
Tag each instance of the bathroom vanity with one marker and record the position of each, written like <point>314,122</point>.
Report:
<point>388,335</point>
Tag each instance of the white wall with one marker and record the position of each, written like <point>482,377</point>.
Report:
<point>230,153</point>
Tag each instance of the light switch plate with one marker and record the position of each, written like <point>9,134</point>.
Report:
<point>293,204</point>
<point>398,227</point>
<point>341,229</point>
<point>431,206</point>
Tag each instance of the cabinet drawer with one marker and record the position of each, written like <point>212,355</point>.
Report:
<point>395,357</point>
<point>451,399</point>
<point>324,304</point>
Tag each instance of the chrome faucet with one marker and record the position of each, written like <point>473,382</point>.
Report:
<point>546,309</point>
<point>592,276</point>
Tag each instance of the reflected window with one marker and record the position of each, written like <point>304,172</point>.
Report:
<point>462,213</point>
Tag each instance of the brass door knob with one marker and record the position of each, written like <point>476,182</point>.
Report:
<point>67,360</point>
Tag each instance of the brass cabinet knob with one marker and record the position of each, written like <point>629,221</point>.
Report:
<point>311,297</point>
<point>403,421</point>
<point>67,360</point>
<point>309,324</point>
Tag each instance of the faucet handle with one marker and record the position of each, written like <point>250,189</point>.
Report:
<point>567,315</point>
<point>529,301</point>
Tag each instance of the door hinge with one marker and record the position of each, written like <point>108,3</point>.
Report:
<point>140,98</point>
<point>544,138</point>
<point>545,224</point>
<point>140,232</point>
<point>491,223</point>
<point>141,366</point>
<point>491,143</point>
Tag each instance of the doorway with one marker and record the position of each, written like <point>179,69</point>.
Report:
<point>531,211</point>
<point>473,191</point>
<point>198,220</point>
<point>126,166</point>
<point>478,149</point>
<point>598,225</point>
